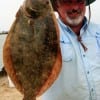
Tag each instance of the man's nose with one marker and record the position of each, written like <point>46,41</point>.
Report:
<point>75,6</point>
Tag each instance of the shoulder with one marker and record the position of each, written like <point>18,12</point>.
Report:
<point>94,28</point>
<point>94,25</point>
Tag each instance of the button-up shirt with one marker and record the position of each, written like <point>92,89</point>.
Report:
<point>79,78</point>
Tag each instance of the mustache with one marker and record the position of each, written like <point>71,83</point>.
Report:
<point>78,11</point>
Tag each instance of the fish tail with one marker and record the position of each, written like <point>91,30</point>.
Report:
<point>29,98</point>
<point>29,95</point>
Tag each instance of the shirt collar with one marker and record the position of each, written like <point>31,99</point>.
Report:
<point>68,29</point>
<point>85,24</point>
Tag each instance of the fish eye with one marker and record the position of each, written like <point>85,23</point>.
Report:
<point>47,2</point>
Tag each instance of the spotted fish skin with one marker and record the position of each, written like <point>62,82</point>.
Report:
<point>32,55</point>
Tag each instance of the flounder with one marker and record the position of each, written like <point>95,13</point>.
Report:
<point>31,51</point>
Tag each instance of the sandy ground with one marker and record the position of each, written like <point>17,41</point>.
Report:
<point>8,93</point>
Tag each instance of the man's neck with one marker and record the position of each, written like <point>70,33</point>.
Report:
<point>76,29</point>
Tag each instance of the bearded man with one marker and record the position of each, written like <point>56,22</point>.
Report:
<point>79,78</point>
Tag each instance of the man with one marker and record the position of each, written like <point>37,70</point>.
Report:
<point>79,78</point>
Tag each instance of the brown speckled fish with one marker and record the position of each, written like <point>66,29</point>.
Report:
<point>31,51</point>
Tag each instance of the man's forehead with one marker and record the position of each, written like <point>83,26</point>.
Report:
<point>73,0</point>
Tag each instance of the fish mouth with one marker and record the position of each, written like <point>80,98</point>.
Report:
<point>32,12</point>
<point>35,10</point>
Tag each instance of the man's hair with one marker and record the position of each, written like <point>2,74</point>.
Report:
<point>54,3</point>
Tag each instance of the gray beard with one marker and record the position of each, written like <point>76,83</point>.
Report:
<point>74,22</point>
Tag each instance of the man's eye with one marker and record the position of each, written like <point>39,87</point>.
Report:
<point>71,1</point>
<point>66,1</point>
<point>81,1</point>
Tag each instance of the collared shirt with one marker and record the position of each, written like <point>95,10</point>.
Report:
<point>79,78</point>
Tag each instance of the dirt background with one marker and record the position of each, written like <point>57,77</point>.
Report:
<point>9,93</point>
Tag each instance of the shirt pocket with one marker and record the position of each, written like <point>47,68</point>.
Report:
<point>66,50</point>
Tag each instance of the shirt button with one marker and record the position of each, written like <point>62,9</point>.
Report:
<point>88,72</point>
<point>83,55</point>
<point>92,89</point>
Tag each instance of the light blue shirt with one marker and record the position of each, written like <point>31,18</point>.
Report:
<point>79,78</point>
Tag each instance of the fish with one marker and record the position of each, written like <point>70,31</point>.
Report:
<point>31,51</point>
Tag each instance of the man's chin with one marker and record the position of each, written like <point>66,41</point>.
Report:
<point>75,21</point>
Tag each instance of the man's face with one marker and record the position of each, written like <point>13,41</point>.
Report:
<point>71,11</point>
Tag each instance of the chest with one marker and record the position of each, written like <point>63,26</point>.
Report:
<point>71,48</point>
